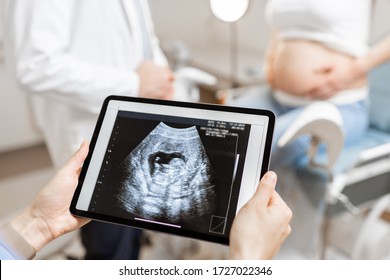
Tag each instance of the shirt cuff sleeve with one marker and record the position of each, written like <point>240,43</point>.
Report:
<point>16,245</point>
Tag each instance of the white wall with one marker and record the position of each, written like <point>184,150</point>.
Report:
<point>193,22</point>
<point>209,38</point>
<point>381,20</point>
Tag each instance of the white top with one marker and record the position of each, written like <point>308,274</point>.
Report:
<point>342,25</point>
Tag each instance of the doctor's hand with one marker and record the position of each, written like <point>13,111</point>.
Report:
<point>155,81</point>
<point>49,217</point>
<point>262,224</point>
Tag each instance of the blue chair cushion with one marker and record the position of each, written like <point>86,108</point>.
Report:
<point>379,80</point>
<point>348,157</point>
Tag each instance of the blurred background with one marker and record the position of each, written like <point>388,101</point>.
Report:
<point>189,35</point>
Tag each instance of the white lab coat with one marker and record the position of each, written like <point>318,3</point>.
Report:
<point>69,55</point>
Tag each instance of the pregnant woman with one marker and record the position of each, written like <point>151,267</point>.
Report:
<point>318,51</point>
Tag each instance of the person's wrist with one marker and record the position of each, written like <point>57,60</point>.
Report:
<point>33,229</point>
<point>246,254</point>
<point>237,255</point>
<point>362,67</point>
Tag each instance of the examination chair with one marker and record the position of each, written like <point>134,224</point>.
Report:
<point>356,178</point>
<point>337,179</point>
<point>361,179</point>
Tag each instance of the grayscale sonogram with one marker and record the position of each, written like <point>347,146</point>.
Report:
<point>167,177</point>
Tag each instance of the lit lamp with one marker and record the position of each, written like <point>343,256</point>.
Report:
<point>230,11</point>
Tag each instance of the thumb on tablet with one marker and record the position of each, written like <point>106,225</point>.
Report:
<point>262,224</point>
<point>77,159</point>
<point>266,188</point>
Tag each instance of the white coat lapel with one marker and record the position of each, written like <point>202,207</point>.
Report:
<point>138,19</point>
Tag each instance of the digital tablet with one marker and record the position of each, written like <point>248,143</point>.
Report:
<point>174,167</point>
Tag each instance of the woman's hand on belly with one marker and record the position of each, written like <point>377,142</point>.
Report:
<point>308,69</point>
<point>338,76</point>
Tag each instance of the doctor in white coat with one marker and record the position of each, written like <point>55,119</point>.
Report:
<point>69,55</point>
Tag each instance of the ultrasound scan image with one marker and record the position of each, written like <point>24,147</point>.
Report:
<point>167,177</point>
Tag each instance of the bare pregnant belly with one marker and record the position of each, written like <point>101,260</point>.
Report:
<point>296,66</point>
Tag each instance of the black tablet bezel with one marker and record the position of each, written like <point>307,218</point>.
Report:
<point>157,227</point>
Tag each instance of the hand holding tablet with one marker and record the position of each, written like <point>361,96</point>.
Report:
<point>174,167</point>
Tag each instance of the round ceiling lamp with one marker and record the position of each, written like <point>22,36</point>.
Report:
<point>229,10</point>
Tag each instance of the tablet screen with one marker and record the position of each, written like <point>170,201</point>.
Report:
<point>174,167</point>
